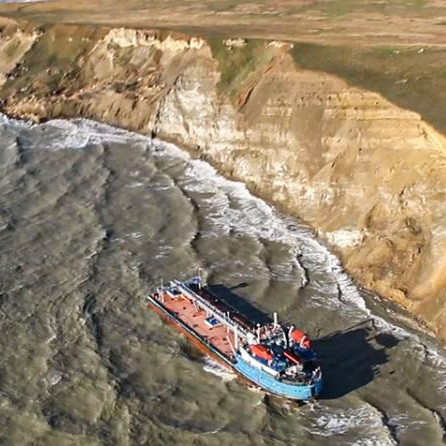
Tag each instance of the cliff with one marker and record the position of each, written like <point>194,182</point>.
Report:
<point>367,175</point>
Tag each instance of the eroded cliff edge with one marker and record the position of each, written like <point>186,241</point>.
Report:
<point>369,176</point>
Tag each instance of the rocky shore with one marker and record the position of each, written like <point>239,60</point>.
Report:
<point>367,175</point>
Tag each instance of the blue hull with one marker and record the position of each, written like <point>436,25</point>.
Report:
<point>267,382</point>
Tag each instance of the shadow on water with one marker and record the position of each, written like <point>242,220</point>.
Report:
<point>239,304</point>
<point>349,358</point>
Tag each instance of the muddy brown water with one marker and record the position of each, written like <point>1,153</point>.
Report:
<point>91,218</point>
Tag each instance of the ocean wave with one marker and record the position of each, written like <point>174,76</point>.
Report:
<point>61,134</point>
<point>233,210</point>
<point>365,421</point>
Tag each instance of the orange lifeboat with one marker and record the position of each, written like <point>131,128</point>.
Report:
<point>261,351</point>
<point>301,338</point>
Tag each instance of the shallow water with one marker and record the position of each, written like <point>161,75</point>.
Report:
<point>90,219</point>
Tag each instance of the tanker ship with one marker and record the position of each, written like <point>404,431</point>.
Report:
<point>276,357</point>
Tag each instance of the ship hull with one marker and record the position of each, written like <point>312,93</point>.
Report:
<point>193,337</point>
<point>244,371</point>
<point>273,386</point>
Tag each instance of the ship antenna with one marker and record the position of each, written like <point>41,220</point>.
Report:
<point>288,338</point>
<point>275,319</point>
<point>199,278</point>
<point>236,337</point>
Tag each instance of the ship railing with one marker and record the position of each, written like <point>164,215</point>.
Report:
<point>220,315</point>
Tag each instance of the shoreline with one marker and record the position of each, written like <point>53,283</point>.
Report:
<point>305,141</point>
<point>395,314</point>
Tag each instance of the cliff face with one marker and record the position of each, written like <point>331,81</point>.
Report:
<point>368,176</point>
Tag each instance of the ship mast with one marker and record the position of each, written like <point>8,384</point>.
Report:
<point>199,278</point>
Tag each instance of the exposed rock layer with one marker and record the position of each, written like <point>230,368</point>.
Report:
<point>367,175</point>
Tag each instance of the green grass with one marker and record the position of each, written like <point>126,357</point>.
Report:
<point>333,8</point>
<point>340,8</point>
<point>54,54</point>
<point>412,78</point>
<point>415,3</point>
<point>12,48</point>
<point>237,64</point>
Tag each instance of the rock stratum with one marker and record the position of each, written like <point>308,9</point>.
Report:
<point>368,176</point>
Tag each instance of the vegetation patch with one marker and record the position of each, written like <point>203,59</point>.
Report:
<point>11,48</point>
<point>339,8</point>
<point>54,54</point>
<point>238,62</point>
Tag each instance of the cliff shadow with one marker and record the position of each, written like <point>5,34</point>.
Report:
<point>351,358</point>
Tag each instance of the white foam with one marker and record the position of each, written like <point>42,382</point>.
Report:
<point>365,422</point>
<point>401,422</point>
<point>135,185</point>
<point>213,431</point>
<point>373,441</point>
<point>53,135</point>
<point>14,123</point>
<point>336,422</point>
<point>136,235</point>
<point>216,369</point>
<point>60,134</point>
<point>99,133</point>
<point>53,378</point>
<point>250,216</point>
<point>51,338</point>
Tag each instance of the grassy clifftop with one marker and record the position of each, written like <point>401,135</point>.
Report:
<point>362,22</point>
<point>394,47</point>
<point>413,78</point>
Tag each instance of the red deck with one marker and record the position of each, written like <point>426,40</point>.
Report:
<point>186,311</point>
